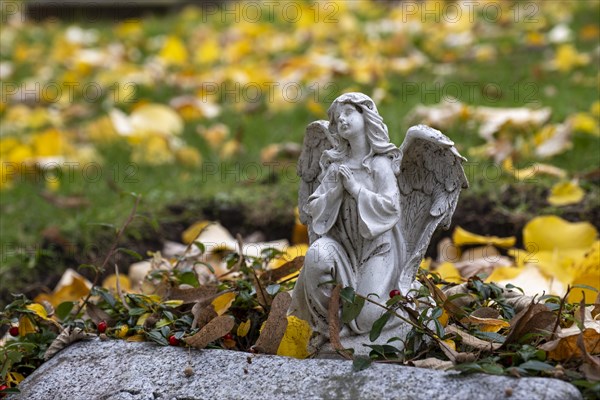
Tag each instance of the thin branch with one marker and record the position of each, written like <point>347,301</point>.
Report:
<point>111,252</point>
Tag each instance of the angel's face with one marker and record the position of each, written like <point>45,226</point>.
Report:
<point>350,121</point>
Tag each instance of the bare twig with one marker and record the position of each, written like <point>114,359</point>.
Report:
<point>112,251</point>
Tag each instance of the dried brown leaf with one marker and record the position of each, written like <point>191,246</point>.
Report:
<point>433,363</point>
<point>566,347</point>
<point>441,297</point>
<point>471,340</point>
<point>454,356</point>
<point>333,316</point>
<point>275,275</point>
<point>202,294</point>
<point>212,331</point>
<point>486,312</point>
<point>65,338</point>
<point>261,294</point>
<point>461,301</point>
<point>203,315</point>
<point>97,314</point>
<point>526,322</point>
<point>275,326</point>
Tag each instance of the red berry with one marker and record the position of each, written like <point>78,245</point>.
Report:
<point>102,326</point>
<point>394,293</point>
<point>3,387</point>
<point>173,341</point>
<point>14,331</point>
<point>228,336</point>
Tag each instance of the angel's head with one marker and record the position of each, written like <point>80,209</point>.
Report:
<point>374,128</point>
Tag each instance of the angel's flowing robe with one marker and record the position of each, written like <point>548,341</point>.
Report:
<point>359,245</point>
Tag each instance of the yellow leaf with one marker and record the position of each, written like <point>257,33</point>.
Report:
<point>586,123</point>
<point>156,118</point>
<point>461,237</point>
<point>173,303</point>
<point>188,156</point>
<point>450,343</point>
<point>448,272</point>
<point>567,57</point>
<point>78,288</point>
<point>215,135</point>
<point>190,234</point>
<point>38,310</point>
<point>173,51</point>
<point>443,319</point>
<point>296,338</point>
<point>504,273</point>
<point>533,170</point>
<point>486,324</point>
<point>122,331</point>
<point>565,193</point>
<point>551,233</point>
<point>136,338</point>
<point>142,319</point>
<point>291,252</point>
<point>110,282</point>
<point>14,378</point>
<point>208,52</point>
<point>587,273</point>
<point>243,328</point>
<point>223,302</point>
<point>26,326</point>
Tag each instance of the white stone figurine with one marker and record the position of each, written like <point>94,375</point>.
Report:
<point>371,209</point>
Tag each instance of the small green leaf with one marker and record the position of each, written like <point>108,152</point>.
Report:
<point>63,309</point>
<point>350,310</point>
<point>347,294</point>
<point>361,363</point>
<point>534,365</point>
<point>200,247</point>
<point>156,337</point>
<point>130,252</point>
<point>378,326</point>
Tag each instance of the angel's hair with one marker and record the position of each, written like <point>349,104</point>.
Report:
<point>375,129</point>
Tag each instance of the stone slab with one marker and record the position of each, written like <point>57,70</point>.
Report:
<point>118,370</point>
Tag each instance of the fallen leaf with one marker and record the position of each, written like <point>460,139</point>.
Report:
<point>566,193</point>
<point>191,233</point>
<point>212,331</point>
<point>283,272</point>
<point>536,319</point>
<point>296,338</point>
<point>244,328</point>
<point>203,294</point>
<point>433,363</point>
<point>223,302</point>
<point>66,338</point>
<point>274,328</point>
<point>461,237</point>
<point>202,315</point>
<point>471,340</point>
<point>486,324</point>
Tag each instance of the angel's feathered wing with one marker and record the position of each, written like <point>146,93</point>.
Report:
<point>317,139</point>
<point>430,180</point>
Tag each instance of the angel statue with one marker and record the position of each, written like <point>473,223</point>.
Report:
<point>371,208</point>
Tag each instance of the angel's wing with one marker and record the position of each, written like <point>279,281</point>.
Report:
<point>317,139</point>
<point>430,180</point>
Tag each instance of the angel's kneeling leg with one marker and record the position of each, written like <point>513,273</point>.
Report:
<point>325,264</point>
